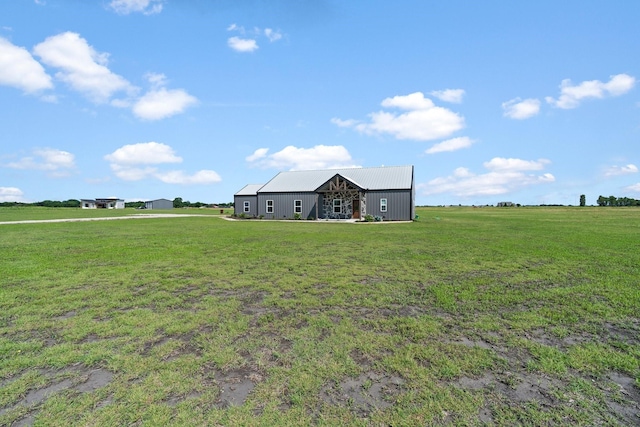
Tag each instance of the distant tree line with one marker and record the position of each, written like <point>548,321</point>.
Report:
<point>134,205</point>
<point>73,203</point>
<point>617,201</point>
<point>179,203</point>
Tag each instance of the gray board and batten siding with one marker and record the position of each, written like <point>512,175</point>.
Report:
<point>246,200</point>
<point>387,192</point>
<point>284,205</point>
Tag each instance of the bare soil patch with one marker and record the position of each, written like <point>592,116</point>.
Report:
<point>77,378</point>
<point>624,400</point>
<point>365,394</point>
<point>235,386</point>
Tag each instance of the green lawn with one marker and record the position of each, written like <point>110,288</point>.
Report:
<point>22,213</point>
<point>465,317</point>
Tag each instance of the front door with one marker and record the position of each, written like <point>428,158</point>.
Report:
<point>356,209</point>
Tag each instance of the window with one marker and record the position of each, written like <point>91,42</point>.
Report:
<point>383,205</point>
<point>269,206</point>
<point>247,206</point>
<point>337,206</point>
<point>297,206</point>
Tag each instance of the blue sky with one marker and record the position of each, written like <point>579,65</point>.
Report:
<point>530,102</point>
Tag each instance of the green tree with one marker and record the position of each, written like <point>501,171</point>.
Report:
<point>135,205</point>
<point>583,200</point>
<point>178,203</point>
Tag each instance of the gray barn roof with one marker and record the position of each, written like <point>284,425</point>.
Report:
<point>249,190</point>
<point>381,178</point>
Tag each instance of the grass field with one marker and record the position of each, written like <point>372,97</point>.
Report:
<point>496,316</point>
<point>18,213</point>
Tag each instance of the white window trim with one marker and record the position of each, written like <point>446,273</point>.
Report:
<point>247,206</point>
<point>338,205</point>
<point>383,205</point>
<point>297,206</point>
<point>269,206</point>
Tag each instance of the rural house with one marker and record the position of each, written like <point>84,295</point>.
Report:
<point>387,192</point>
<point>107,203</point>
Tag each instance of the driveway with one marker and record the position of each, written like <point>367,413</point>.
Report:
<point>135,216</point>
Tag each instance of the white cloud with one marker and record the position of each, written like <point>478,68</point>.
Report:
<point>125,7</point>
<point>85,70</point>
<point>571,95</point>
<point>132,173</point>
<point>129,163</point>
<point>162,103</point>
<point>413,101</point>
<point>294,158</point>
<point>258,154</point>
<point>521,109</point>
<point>18,69</point>
<point>272,35</point>
<point>619,84</point>
<point>423,121</point>
<point>11,194</point>
<point>620,170</point>
<point>451,145</point>
<point>250,44</point>
<point>179,177</point>
<point>512,165</point>
<point>449,95</point>
<point>143,153</point>
<point>344,123</point>
<point>57,163</point>
<point>82,68</point>
<point>242,45</point>
<point>504,176</point>
<point>156,80</point>
<point>635,188</point>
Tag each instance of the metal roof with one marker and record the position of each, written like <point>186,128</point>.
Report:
<point>380,178</point>
<point>249,190</point>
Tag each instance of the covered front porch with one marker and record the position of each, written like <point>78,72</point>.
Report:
<point>340,199</point>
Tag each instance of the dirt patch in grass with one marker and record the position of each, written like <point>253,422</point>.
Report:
<point>235,386</point>
<point>65,316</point>
<point>150,345</point>
<point>365,394</point>
<point>175,400</point>
<point>185,345</point>
<point>77,378</point>
<point>96,379</point>
<point>91,338</point>
<point>543,337</point>
<point>478,342</point>
<point>511,389</point>
<point>624,398</point>
<point>628,333</point>
<point>361,359</point>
